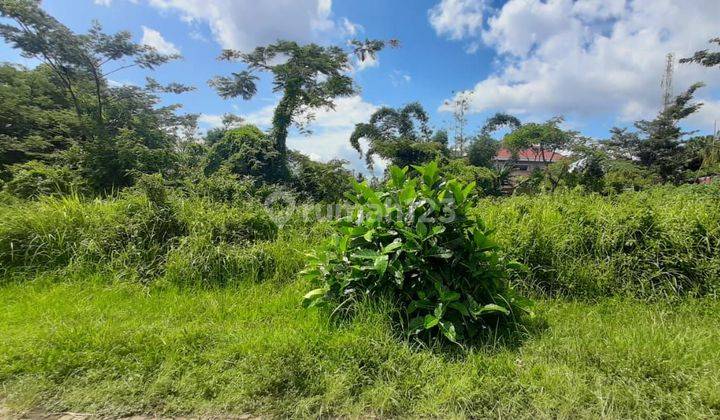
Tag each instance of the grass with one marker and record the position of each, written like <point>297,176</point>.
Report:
<point>89,343</point>
<point>120,307</point>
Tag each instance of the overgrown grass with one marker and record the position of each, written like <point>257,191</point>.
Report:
<point>90,344</point>
<point>664,242</point>
<point>121,307</point>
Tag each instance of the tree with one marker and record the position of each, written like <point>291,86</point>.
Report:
<point>36,118</point>
<point>308,76</point>
<point>482,151</point>
<point>661,143</point>
<point>705,57</point>
<point>498,121</point>
<point>75,59</point>
<point>460,106</point>
<point>400,135</point>
<point>545,141</point>
<point>245,151</point>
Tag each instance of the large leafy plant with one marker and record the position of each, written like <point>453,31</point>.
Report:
<point>414,242</point>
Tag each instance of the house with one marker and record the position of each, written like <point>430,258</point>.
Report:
<point>526,161</point>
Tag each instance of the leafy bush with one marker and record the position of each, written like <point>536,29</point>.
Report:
<point>34,179</point>
<point>244,151</point>
<point>623,176</point>
<point>484,178</point>
<point>413,241</point>
<point>320,182</point>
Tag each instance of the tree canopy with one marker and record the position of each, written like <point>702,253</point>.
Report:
<point>400,135</point>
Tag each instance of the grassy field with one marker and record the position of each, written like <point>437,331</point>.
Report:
<point>92,344</point>
<point>127,306</point>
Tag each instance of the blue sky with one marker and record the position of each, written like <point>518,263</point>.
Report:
<point>596,62</point>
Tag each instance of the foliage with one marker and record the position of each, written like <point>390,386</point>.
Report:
<point>624,175</point>
<point>309,77</point>
<point>545,140</point>
<point>320,182</point>
<point>662,242</point>
<point>414,243</point>
<point>498,121</point>
<point>486,180</point>
<point>34,179</point>
<point>35,116</point>
<point>660,148</point>
<point>401,136</point>
<point>482,150</point>
<point>705,57</point>
<point>75,59</point>
<point>245,151</point>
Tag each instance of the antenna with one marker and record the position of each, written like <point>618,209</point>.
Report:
<point>667,81</point>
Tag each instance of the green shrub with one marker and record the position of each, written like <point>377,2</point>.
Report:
<point>413,242</point>
<point>34,179</point>
<point>484,178</point>
<point>320,182</point>
<point>244,151</point>
<point>222,186</point>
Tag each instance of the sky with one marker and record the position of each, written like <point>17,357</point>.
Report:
<point>597,63</point>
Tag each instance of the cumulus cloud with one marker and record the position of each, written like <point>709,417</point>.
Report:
<point>590,57</point>
<point>246,24</point>
<point>457,19</point>
<point>155,39</point>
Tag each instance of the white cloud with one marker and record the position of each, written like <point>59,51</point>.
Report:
<point>398,78</point>
<point>592,57</point>
<point>246,24</point>
<point>369,62</point>
<point>351,29</point>
<point>103,2</point>
<point>155,39</point>
<point>210,120</point>
<point>457,19</point>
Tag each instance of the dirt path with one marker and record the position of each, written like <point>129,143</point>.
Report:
<point>38,415</point>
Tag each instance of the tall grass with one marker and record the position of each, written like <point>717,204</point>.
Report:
<point>660,242</point>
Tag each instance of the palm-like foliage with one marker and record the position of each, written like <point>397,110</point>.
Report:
<point>400,135</point>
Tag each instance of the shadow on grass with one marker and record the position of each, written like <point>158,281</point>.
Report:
<point>495,335</point>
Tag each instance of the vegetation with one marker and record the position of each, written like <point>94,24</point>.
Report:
<point>401,136</point>
<point>148,268</point>
<point>415,245</point>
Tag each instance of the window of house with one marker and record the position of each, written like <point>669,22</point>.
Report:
<point>521,167</point>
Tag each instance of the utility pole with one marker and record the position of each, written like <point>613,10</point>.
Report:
<point>666,84</point>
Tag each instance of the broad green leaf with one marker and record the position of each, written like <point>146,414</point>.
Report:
<point>392,247</point>
<point>492,308</point>
<point>430,321</point>
<point>381,264</point>
<point>369,235</point>
<point>398,175</point>
<point>460,308</point>
<point>313,296</point>
<point>448,330</point>
<point>421,229</point>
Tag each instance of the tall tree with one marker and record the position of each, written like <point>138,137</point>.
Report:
<point>661,140</point>
<point>308,76</point>
<point>400,135</point>
<point>75,59</point>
